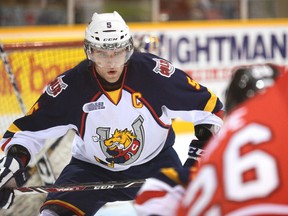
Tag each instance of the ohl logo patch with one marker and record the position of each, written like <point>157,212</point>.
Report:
<point>123,146</point>
<point>56,87</point>
<point>163,67</point>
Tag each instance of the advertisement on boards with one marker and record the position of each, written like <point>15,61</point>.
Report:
<point>207,52</point>
<point>209,55</point>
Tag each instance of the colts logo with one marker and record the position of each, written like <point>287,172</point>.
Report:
<point>56,87</point>
<point>163,67</point>
<point>123,146</point>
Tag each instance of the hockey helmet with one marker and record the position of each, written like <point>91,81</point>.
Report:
<point>108,31</point>
<point>246,81</point>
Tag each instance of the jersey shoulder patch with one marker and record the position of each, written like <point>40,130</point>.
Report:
<point>56,87</point>
<point>163,67</point>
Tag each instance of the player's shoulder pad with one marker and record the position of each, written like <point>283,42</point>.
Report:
<point>71,77</point>
<point>155,63</point>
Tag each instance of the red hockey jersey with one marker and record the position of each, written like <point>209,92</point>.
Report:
<point>245,169</point>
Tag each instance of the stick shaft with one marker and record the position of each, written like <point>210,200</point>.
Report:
<point>79,187</point>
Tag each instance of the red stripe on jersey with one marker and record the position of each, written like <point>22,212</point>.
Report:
<point>147,195</point>
<point>220,114</point>
<point>5,144</point>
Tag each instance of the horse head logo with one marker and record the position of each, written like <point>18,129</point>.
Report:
<point>121,146</point>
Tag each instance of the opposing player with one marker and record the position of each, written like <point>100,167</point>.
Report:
<point>120,105</point>
<point>243,171</point>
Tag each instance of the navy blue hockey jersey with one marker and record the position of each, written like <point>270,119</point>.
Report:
<point>121,128</point>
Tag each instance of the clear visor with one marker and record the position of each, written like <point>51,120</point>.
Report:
<point>109,57</point>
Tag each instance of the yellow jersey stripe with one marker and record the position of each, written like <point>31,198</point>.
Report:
<point>211,102</point>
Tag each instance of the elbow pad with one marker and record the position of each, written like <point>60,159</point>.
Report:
<point>204,132</point>
<point>20,152</point>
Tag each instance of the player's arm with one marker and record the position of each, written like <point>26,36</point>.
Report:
<point>160,194</point>
<point>204,130</point>
<point>195,103</point>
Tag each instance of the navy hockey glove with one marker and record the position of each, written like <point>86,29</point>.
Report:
<point>203,133</point>
<point>10,168</point>
<point>195,153</point>
<point>6,198</point>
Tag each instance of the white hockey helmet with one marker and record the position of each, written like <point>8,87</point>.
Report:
<point>107,31</point>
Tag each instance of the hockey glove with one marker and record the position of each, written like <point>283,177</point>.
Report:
<point>6,198</point>
<point>10,168</point>
<point>195,153</point>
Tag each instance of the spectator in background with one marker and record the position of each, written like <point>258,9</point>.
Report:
<point>244,169</point>
<point>175,10</point>
<point>52,12</point>
<point>214,10</point>
<point>210,9</point>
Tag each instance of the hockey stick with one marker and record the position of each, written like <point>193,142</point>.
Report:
<point>79,187</point>
<point>47,176</point>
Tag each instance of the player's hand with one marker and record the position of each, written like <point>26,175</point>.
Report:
<point>6,198</point>
<point>11,175</point>
<point>195,152</point>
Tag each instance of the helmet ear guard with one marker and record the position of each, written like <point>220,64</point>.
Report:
<point>246,81</point>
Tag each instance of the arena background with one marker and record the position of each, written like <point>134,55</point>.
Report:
<point>206,51</point>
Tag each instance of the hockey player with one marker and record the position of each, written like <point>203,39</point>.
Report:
<point>242,172</point>
<point>120,105</point>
